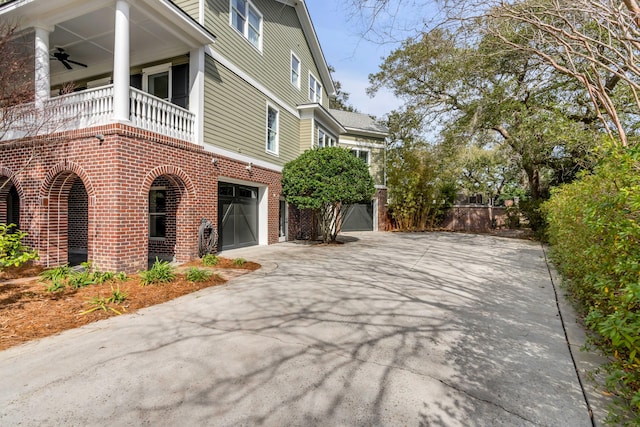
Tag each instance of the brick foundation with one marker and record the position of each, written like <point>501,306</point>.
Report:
<point>111,216</point>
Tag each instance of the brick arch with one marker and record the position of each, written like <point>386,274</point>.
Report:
<point>182,233</point>
<point>55,227</point>
<point>65,169</point>
<point>7,175</point>
<point>170,172</point>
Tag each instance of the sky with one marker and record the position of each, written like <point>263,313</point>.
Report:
<point>352,56</point>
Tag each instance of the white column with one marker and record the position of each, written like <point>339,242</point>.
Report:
<point>196,91</point>
<point>42,71</point>
<point>121,63</point>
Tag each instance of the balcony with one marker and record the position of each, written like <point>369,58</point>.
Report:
<point>95,107</point>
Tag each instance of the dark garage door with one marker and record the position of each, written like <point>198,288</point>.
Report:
<point>237,215</point>
<point>359,217</point>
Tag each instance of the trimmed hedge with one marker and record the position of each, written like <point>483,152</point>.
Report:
<point>594,230</point>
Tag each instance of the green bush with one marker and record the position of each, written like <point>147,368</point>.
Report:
<point>197,275</point>
<point>12,251</point>
<point>239,262</point>
<point>210,260</point>
<point>594,230</point>
<point>160,272</point>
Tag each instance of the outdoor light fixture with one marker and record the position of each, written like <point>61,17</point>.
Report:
<point>100,138</point>
<point>248,167</point>
<point>214,160</point>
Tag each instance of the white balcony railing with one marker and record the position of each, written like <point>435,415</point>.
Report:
<point>94,107</point>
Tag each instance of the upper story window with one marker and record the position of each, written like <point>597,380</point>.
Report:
<point>315,89</point>
<point>295,70</point>
<point>362,154</point>
<point>273,119</point>
<point>157,81</point>
<point>324,139</point>
<point>248,21</point>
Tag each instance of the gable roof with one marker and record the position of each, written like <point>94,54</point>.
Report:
<point>314,44</point>
<point>360,123</point>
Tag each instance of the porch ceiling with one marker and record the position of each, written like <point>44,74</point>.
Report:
<point>85,30</point>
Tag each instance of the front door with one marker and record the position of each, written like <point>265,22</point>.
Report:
<point>237,215</point>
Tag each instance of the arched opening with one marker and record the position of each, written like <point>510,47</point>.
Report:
<point>165,195</point>
<point>78,223</point>
<point>13,207</point>
<point>66,215</point>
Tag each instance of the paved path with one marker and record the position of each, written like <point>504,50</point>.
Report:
<point>392,329</point>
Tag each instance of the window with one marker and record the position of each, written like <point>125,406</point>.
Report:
<point>158,213</point>
<point>157,81</point>
<point>315,90</point>
<point>248,21</point>
<point>361,154</point>
<point>272,129</point>
<point>295,71</point>
<point>324,139</point>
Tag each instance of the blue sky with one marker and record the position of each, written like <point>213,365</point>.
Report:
<point>353,57</point>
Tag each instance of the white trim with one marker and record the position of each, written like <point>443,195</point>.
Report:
<point>242,158</point>
<point>363,150</point>
<point>293,55</point>
<point>244,76</point>
<point>263,205</point>
<point>362,144</point>
<point>249,5</point>
<point>318,82</point>
<point>196,91</point>
<point>201,12</point>
<point>275,152</point>
<point>157,69</point>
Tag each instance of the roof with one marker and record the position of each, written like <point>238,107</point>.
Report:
<point>359,123</point>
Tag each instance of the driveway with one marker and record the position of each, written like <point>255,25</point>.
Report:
<point>392,329</point>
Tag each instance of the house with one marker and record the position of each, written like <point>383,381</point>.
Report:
<point>182,115</point>
<point>367,140</point>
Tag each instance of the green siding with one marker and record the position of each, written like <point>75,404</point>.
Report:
<point>282,34</point>
<point>306,127</point>
<point>235,117</point>
<point>189,6</point>
<point>377,158</point>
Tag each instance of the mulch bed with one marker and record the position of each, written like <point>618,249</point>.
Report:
<point>28,311</point>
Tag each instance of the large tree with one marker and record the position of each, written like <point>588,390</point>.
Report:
<point>325,180</point>
<point>486,94</point>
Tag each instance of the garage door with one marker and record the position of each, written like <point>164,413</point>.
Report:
<point>237,216</point>
<point>359,217</point>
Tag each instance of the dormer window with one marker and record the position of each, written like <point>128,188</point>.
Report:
<point>247,20</point>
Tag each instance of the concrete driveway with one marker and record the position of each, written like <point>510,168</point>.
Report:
<point>392,329</point>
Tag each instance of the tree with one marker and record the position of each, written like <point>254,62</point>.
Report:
<point>325,180</point>
<point>20,117</point>
<point>592,42</point>
<point>486,94</point>
<point>339,100</point>
<point>420,187</point>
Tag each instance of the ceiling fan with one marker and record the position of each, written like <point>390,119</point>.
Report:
<point>63,57</point>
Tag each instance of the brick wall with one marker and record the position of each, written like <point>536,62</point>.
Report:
<point>474,218</point>
<point>117,175</point>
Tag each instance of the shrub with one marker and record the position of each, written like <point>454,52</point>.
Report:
<point>594,229</point>
<point>12,251</point>
<point>197,275</point>
<point>210,260</point>
<point>160,272</point>
<point>239,262</point>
